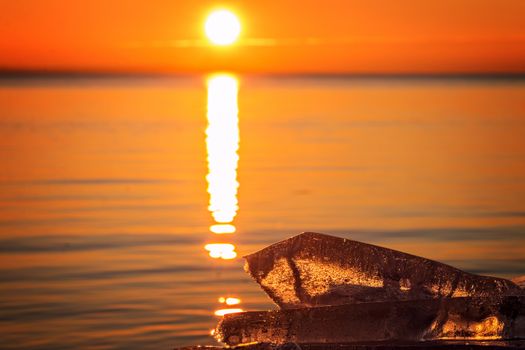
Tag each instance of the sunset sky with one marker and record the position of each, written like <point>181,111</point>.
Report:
<point>351,36</point>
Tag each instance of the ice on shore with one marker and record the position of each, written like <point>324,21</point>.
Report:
<point>314,269</point>
<point>333,291</point>
<point>464,318</point>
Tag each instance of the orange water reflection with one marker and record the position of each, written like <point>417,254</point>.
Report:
<point>224,251</point>
<point>103,182</point>
<point>222,228</point>
<point>223,312</point>
<point>222,144</point>
<point>229,300</point>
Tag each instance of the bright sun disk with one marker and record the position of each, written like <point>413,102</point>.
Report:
<point>222,27</point>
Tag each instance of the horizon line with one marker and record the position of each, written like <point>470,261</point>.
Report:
<point>8,74</point>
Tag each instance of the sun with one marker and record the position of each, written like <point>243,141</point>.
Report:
<point>222,27</point>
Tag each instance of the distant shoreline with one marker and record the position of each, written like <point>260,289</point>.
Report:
<point>8,74</point>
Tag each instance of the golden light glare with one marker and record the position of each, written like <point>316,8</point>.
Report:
<point>224,251</point>
<point>229,300</point>
<point>233,301</point>
<point>222,144</point>
<point>223,312</point>
<point>222,229</point>
<point>222,27</point>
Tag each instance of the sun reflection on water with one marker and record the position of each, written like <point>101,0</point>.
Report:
<point>229,300</point>
<point>222,228</point>
<point>222,144</point>
<point>223,312</point>
<point>224,251</point>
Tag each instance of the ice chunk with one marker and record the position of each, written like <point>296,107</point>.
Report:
<point>314,269</point>
<point>415,320</point>
<point>428,345</point>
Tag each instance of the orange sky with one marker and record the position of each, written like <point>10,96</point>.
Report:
<point>352,36</point>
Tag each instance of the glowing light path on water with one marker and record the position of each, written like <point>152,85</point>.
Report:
<point>222,228</point>
<point>222,142</point>
<point>224,251</point>
<point>223,312</point>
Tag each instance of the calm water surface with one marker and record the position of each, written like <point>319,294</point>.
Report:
<point>119,197</point>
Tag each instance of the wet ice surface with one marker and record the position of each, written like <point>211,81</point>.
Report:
<point>313,269</point>
<point>333,290</point>
<point>415,320</point>
<point>431,345</point>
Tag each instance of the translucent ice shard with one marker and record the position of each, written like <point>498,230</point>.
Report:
<point>415,320</point>
<point>314,269</point>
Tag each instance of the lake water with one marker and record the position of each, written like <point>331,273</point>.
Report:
<point>110,190</point>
